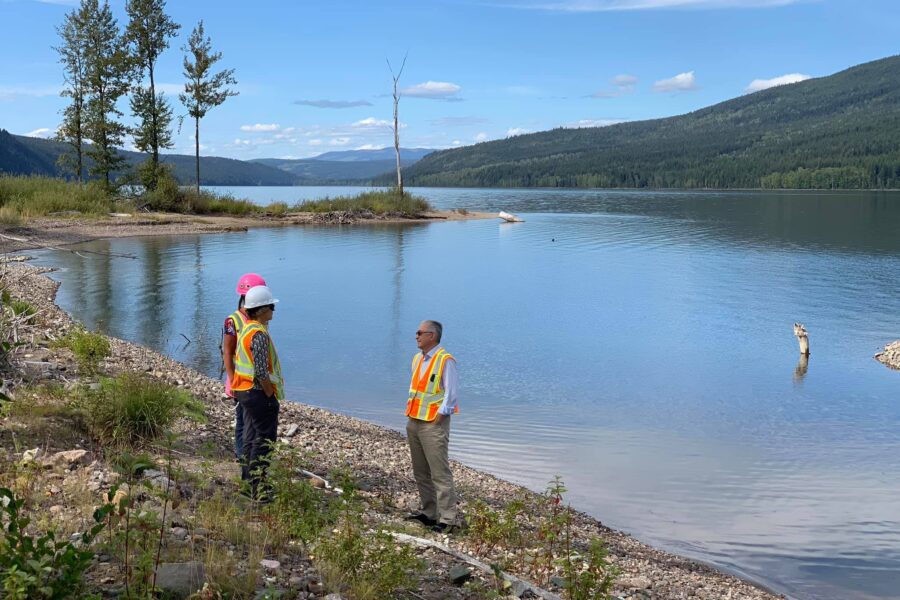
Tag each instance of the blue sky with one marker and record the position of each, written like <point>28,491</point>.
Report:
<point>313,76</point>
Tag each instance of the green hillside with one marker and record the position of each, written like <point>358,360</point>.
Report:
<point>20,155</point>
<point>313,170</point>
<point>840,131</point>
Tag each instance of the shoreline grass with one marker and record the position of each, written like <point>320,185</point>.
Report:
<point>379,202</point>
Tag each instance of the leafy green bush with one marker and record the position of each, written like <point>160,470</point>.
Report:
<point>89,348</point>
<point>41,567</point>
<point>381,202</point>
<point>133,408</point>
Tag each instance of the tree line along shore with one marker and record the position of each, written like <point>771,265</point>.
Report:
<point>122,458</point>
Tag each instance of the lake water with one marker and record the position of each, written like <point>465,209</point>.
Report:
<point>637,343</point>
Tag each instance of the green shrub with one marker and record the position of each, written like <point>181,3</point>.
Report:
<point>133,408</point>
<point>299,511</point>
<point>41,567</point>
<point>18,307</point>
<point>381,202</point>
<point>368,565</point>
<point>89,348</point>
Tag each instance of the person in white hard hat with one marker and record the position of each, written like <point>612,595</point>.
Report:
<point>257,385</point>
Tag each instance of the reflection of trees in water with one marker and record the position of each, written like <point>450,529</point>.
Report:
<point>156,309</point>
<point>864,222</point>
<point>203,352</point>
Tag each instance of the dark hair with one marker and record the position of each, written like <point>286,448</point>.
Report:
<point>252,312</point>
<point>241,301</point>
<point>437,328</point>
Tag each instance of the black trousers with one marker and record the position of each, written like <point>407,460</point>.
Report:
<point>260,433</point>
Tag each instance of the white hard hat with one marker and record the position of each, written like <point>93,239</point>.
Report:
<point>257,296</point>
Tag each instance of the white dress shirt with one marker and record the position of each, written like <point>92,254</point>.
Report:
<point>449,381</point>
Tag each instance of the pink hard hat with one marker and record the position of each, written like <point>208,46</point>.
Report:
<point>247,281</point>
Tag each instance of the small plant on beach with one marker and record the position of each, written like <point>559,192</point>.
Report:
<point>88,347</point>
<point>588,575</point>
<point>489,528</point>
<point>42,567</point>
<point>368,565</point>
<point>299,511</point>
<point>131,409</point>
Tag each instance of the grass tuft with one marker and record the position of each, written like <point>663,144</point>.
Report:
<point>132,408</point>
<point>380,202</point>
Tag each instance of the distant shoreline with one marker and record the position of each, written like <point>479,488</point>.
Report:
<point>616,189</point>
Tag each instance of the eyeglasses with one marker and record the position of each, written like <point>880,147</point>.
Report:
<point>271,307</point>
<point>418,333</point>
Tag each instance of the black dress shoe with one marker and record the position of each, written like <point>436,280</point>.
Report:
<point>442,528</point>
<point>422,518</point>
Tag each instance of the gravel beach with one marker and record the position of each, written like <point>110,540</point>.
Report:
<point>379,459</point>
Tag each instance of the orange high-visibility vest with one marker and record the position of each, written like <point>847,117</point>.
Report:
<point>243,362</point>
<point>425,392</point>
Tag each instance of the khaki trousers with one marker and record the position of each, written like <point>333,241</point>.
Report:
<point>431,467</point>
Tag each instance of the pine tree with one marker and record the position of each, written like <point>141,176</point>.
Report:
<point>109,74</point>
<point>73,56</point>
<point>148,33</point>
<point>203,90</point>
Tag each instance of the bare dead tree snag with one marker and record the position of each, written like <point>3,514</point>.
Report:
<point>396,79</point>
<point>802,338</point>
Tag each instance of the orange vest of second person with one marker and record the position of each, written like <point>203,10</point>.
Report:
<point>243,362</point>
<point>425,392</point>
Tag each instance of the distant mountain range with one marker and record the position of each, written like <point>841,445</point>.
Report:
<point>20,155</point>
<point>840,131</point>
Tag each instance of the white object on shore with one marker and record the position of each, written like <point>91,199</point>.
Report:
<point>509,218</point>
<point>119,215</point>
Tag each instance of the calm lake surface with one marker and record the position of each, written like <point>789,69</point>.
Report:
<point>637,343</point>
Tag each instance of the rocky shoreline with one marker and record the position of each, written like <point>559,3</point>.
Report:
<point>890,356</point>
<point>378,458</point>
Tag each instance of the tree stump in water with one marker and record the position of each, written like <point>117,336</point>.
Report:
<point>802,338</point>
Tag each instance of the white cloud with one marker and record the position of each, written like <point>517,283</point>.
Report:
<point>314,142</point>
<point>513,131</point>
<point>260,127</point>
<point>593,123</point>
<point>683,82</point>
<point>456,143</point>
<point>435,90</point>
<point>583,6</point>
<point>372,122</point>
<point>481,137</point>
<point>341,141</point>
<point>624,84</point>
<point>763,84</point>
<point>370,147</point>
<point>624,80</point>
<point>43,132</point>
<point>13,92</point>
<point>170,89</point>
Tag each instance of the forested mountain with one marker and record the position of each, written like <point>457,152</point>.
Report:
<point>406,154</point>
<point>839,131</point>
<point>20,155</point>
<point>346,166</point>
